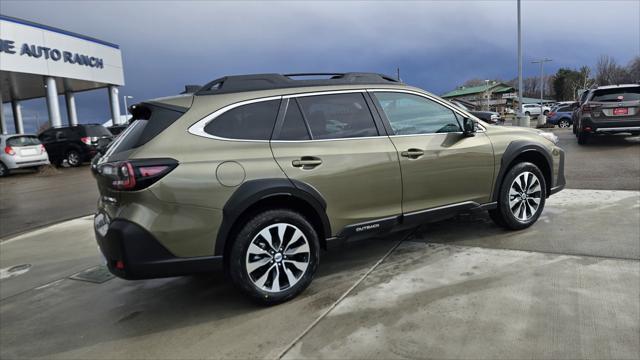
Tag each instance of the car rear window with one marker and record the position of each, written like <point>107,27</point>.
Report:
<point>247,122</point>
<point>18,141</point>
<point>147,122</point>
<point>96,131</point>
<point>616,94</point>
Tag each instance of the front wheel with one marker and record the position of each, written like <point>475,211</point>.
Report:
<point>275,256</point>
<point>522,197</point>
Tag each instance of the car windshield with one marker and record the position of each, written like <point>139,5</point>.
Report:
<point>18,141</point>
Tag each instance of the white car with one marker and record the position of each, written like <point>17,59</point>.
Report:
<point>21,151</point>
<point>534,109</point>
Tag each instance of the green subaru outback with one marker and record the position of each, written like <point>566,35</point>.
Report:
<point>257,173</point>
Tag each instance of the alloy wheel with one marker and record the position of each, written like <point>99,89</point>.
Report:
<point>277,257</point>
<point>73,158</point>
<point>563,124</point>
<point>525,195</point>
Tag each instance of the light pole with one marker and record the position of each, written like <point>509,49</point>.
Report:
<point>519,64</point>
<point>486,83</point>
<point>126,109</point>
<point>541,62</point>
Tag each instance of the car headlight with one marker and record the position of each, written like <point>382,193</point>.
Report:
<point>549,136</point>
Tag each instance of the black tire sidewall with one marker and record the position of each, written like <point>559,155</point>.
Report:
<point>508,219</point>
<point>236,265</point>
<point>5,170</point>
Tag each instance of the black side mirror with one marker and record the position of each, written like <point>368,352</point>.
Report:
<point>468,127</point>
<point>102,145</point>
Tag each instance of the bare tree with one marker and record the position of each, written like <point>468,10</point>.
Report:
<point>473,82</point>
<point>633,70</point>
<point>608,72</point>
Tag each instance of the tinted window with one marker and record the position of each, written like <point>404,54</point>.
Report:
<point>412,114</point>
<point>564,109</point>
<point>613,95</point>
<point>251,122</point>
<point>47,136</point>
<point>293,127</point>
<point>148,122</point>
<point>338,116</point>
<point>96,130</point>
<point>23,141</point>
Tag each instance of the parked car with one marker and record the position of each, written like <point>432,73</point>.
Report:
<point>21,151</point>
<point>576,111</point>
<point>609,109</point>
<point>75,144</point>
<point>257,173</point>
<point>491,117</point>
<point>534,109</point>
<point>561,115</point>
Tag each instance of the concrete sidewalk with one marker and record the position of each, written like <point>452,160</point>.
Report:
<point>461,288</point>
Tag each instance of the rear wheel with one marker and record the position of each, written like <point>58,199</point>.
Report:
<point>522,197</point>
<point>274,256</point>
<point>4,170</point>
<point>73,158</point>
<point>564,123</point>
<point>583,137</point>
<point>527,113</point>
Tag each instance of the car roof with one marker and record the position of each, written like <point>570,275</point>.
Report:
<point>257,82</point>
<point>6,136</point>
<point>604,87</point>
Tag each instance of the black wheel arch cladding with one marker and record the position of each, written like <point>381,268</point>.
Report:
<point>255,191</point>
<point>514,150</point>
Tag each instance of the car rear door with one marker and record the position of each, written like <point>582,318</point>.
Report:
<point>441,167</point>
<point>332,142</point>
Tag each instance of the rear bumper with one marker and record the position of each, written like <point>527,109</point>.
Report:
<point>13,162</point>
<point>609,126</point>
<point>133,253</point>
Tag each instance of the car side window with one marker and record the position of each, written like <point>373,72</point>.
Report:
<point>338,116</point>
<point>60,135</point>
<point>247,122</point>
<point>293,126</point>
<point>47,136</point>
<point>410,114</point>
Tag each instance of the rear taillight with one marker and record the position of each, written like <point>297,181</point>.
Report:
<point>9,150</point>
<point>589,107</point>
<point>136,174</point>
<point>86,140</point>
<point>551,114</point>
<point>42,149</point>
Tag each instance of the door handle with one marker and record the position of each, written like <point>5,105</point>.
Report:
<point>307,162</point>
<point>412,153</point>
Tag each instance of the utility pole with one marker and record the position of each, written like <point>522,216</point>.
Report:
<point>541,62</point>
<point>519,113</point>
<point>486,83</point>
<point>398,73</point>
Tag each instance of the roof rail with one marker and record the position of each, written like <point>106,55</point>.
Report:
<point>254,82</point>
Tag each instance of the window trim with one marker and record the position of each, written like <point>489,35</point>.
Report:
<point>197,128</point>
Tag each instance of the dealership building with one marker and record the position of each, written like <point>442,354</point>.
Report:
<point>39,61</point>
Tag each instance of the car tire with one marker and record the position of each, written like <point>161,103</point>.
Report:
<point>583,137</point>
<point>521,197</point>
<point>73,158</point>
<point>4,170</point>
<point>264,265</point>
<point>527,113</point>
<point>545,112</point>
<point>564,123</point>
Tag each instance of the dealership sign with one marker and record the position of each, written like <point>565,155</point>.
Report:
<point>35,51</point>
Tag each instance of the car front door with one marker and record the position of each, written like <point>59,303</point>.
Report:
<point>333,143</point>
<point>441,166</point>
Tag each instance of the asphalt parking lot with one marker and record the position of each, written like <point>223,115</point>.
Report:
<point>568,287</point>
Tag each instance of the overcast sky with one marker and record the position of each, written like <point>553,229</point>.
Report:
<point>437,44</point>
